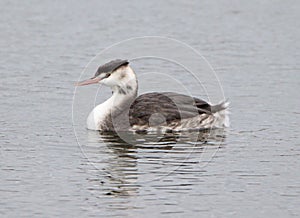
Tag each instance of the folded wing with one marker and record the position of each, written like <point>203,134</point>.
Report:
<point>169,105</point>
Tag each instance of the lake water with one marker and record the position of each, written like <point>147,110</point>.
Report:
<point>249,170</point>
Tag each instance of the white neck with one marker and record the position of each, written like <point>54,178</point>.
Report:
<point>124,92</point>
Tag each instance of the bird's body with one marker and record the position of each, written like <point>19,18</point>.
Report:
<point>151,111</point>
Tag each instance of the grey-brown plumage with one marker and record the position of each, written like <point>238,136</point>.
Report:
<point>173,107</point>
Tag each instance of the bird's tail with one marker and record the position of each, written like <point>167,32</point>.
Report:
<point>220,107</point>
<point>220,112</point>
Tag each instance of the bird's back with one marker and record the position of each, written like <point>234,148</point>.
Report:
<point>168,109</point>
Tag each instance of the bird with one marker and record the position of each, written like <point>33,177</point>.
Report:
<point>154,111</point>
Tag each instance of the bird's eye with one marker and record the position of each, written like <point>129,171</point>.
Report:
<point>107,75</point>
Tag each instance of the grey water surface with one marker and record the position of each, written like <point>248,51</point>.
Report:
<point>249,170</point>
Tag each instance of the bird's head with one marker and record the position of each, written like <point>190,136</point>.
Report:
<point>116,73</point>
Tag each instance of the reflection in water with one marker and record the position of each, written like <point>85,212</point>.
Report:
<point>128,160</point>
<point>168,139</point>
<point>121,166</point>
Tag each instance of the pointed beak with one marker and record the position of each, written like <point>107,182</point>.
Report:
<point>88,81</point>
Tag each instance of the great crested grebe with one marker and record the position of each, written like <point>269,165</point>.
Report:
<point>165,111</point>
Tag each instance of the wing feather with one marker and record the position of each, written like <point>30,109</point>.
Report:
<point>172,106</point>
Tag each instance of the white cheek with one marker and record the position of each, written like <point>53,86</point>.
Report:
<point>103,82</point>
<point>110,81</point>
